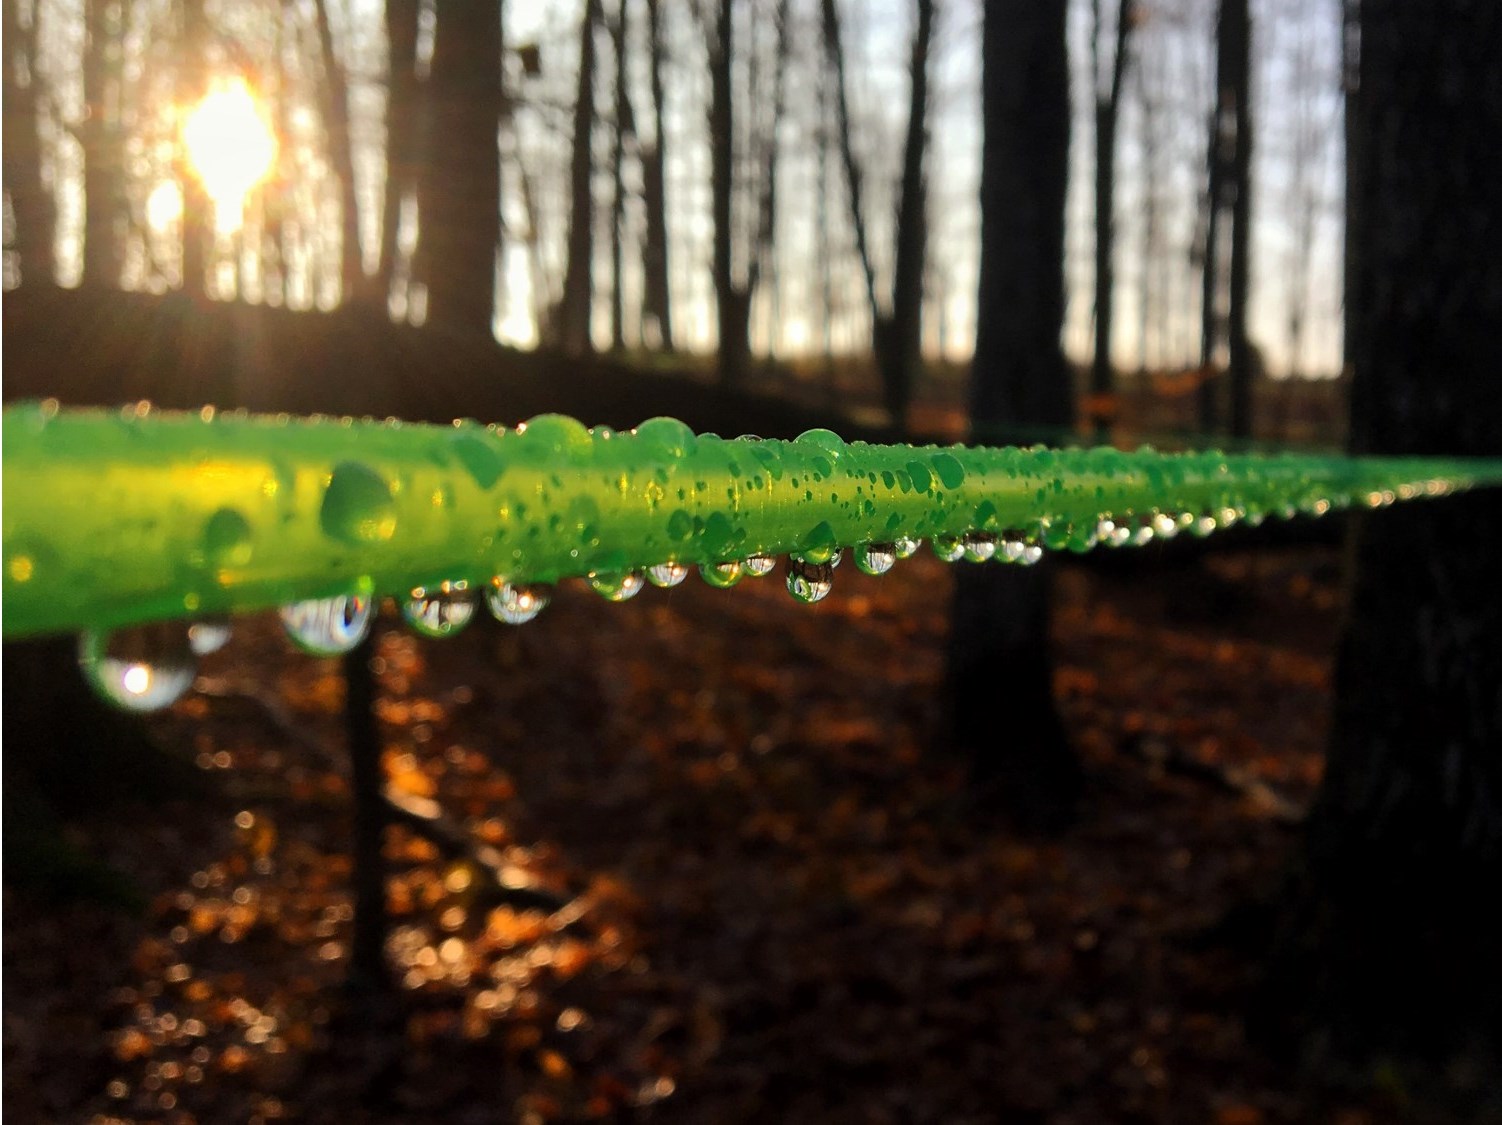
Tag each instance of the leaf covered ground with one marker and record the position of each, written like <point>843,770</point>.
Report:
<point>778,904</point>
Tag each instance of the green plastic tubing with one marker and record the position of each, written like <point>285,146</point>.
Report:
<point>113,518</point>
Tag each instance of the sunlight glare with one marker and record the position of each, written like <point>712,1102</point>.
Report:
<point>164,206</point>
<point>230,146</point>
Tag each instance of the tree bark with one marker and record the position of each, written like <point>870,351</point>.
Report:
<point>1237,25</point>
<point>733,303</point>
<point>334,101</point>
<point>577,305</point>
<point>1389,944</point>
<point>1022,764</point>
<point>402,94</point>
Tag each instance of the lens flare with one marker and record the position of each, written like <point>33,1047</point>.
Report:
<point>229,145</point>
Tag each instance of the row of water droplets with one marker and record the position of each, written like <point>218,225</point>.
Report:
<point>148,667</point>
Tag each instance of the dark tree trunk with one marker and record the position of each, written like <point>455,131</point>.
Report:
<point>197,217</point>
<point>103,152</point>
<point>334,102</point>
<point>461,189</point>
<point>733,303</point>
<point>30,200</point>
<point>577,304</point>
<point>1107,111</point>
<point>1236,25</point>
<point>1229,158</point>
<point>902,359</point>
<point>1391,943</point>
<point>654,195</point>
<point>625,128</point>
<point>402,94</point>
<point>367,965</point>
<point>999,649</point>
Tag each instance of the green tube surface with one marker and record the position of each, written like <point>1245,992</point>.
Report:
<point>116,518</point>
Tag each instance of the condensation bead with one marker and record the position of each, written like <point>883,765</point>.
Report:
<point>142,668</point>
<point>440,611</point>
<point>667,574</point>
<point>875,558</point>
<point>516,603</point>
<point>328,626</point>
<point>810,582</point>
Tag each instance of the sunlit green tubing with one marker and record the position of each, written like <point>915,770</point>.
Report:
<point>113,518</point>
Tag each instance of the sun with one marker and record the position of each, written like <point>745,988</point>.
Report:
<point>230,146</point>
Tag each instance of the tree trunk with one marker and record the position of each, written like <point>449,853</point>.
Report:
<point>902,358</point>
<point>654,196</point>
<point>197,215</point>
<point>104,157</point>
<point>402,94</point>
<point>577,305</point>
<point>625,127</point>
<point>1237,27</point>
<point>733,304</point>
<point>1390,944</point>
<point>461,190</point>
<point>30,200</point>
<point>334,102</point>
<point>999,641</point>
<point>1107,111</point>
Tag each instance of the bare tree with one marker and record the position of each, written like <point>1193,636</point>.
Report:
<point>1108,87</point>
<point>654,194</point>
<point>577,304</point>
<point>103,145</point>
<point>625,131</point>
<point>333,91</point>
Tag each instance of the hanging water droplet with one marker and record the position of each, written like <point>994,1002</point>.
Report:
<point>721,575</point>
<point>875,558</point>
<point>208,635</point>
<point>516,603</point>
<point>328,626</point>
<point>440,611</point>
<point>979,546</point>
<point>1165,526</point>
<point>759,566</point>
<point>1111,532</point>
<point>810,582</point>
<point>906,546</point>
<point>1032,553</point>
<point>144,668</point>
<point>1013,543</point>
<point>617,586</point>
<point>1203,525</point>
<point>357,505</point>
<point>950,548</point>
<point>667,574</point>
<point>1144,532</point>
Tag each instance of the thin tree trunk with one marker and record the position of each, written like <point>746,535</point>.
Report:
<point>1237,25</point>
<point>334,98</point>
<point>30,200</point>
<point>367,966</point>
<point>999,642</point>
<point>577,305</point>
<point>834,49</point>
<point>654,194</point>
<point>104,164</point>
<point>401,133</point>
<point>733,304</point>
<point>197,215</point>
<point>625,127</point>
<point>1107,111</point>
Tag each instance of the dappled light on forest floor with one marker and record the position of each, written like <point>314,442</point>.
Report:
<point>774,900</point>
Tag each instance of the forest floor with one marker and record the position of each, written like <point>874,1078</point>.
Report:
<point>779,904</point>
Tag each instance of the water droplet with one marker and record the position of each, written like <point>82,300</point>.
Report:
<point>979,546</point>
<point>208,635</point>
<point>875,558</point>
<point>721,575</point>
<point>906,546</point>
<point>759,566</point>
<point>617,586</point>
<point>144,668</point>
<point>951,473</point>
<point>440,611</point>
<point>810,582</point>
<point>1203,525</point>
<point>516,603</point>
<point>357,506</point>
<point>328,626</point>
<point>668,436</point>
<point>819,545</point>
<point>1111,532</point>
<point>1031,554</point>
<point>556,434</point>
<point>950,548</point>
<point>667,574</point>
<point>827,440</point>
<point>680,526</point>
<point>477,452</point>
<point>1012,544</point>
<point>1165,525</point>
